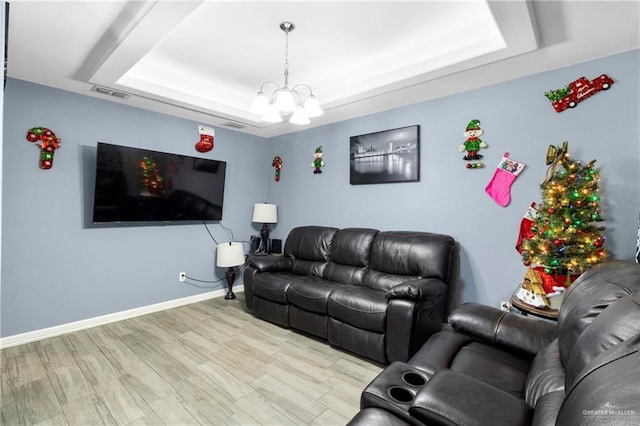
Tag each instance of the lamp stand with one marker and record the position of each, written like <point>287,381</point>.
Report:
<point>230,275</point>
<point>264,234</point>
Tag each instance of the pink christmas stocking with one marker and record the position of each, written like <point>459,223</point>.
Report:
<point>500,186</point>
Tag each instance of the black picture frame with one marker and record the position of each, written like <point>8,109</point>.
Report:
<point>389,156</point>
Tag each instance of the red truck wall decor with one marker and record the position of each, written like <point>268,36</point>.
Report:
<point>577,91</point>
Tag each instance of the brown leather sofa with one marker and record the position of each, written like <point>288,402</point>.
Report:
<point>488,367</point>
<point>376,294</point>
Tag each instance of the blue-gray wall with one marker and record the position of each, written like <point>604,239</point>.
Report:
<point>56,267</point>
<point>516,118</point>
<point>57,270</point>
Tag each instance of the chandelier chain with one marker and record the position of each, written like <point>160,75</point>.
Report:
<point>286,59</point>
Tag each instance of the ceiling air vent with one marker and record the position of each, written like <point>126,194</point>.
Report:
<point>234,125</point>
<point>109,92</point>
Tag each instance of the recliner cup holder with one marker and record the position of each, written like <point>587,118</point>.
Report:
<point>395,389</point>
<point>399,394</point>
<point>413,379</point>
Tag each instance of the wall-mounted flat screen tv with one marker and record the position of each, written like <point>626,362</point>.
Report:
<point>140,185</point>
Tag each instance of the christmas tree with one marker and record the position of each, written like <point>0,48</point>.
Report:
<point>567,238</point>
<point>151,179</point>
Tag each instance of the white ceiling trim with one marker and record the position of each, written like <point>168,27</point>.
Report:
<point>98,42</point>
<point>494,31</point>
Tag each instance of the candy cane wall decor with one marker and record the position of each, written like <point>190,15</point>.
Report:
<point>277,163</point>
<point>48,144</point>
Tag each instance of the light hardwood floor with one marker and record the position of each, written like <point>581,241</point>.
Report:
<point>208,363</point>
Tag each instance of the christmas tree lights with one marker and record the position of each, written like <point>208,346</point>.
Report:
<point>151,179</point>
<point>567,238</point>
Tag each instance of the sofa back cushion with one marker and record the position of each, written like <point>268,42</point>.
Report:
<point>308,248</point>
<point>617,323</point>
<point>546,374</point>
<point>399,256</point>
<point>349,257</point>
<point>590,295</point>
<point>607,389</point>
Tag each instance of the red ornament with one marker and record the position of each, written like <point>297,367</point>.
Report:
<point>474,165</point>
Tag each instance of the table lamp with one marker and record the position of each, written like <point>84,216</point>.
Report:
<point>264,213</point>
<point>229,256</point>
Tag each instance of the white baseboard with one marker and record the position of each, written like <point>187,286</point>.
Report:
<point>45,333</point>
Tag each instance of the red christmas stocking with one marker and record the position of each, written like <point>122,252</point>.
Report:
<point>500,186</point>
<point>207,136</point>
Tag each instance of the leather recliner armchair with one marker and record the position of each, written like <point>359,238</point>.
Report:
<point>491,367</point>
<point>376,294</point>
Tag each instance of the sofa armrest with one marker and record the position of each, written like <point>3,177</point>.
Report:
<point>270,263</point>
<point>415,312</point>
<point>503,329</point>
<point>453,398</point>
<point>418,290</point>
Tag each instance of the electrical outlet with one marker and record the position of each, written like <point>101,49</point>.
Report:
<point>182,277</point>
<point>505,306</point>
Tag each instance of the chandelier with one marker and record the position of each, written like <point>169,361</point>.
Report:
<point>286,103</point>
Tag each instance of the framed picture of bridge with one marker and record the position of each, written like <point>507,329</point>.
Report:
<point>389,156</point>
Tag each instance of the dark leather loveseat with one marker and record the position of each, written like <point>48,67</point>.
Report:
<point>488,367</point>
<point>377,294</point>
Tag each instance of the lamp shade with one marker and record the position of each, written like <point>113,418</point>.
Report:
<point>285,101</point>
<point>299,116</point>
<point>230,254</point>
<point>312,107</point>
<point>265,213</point>
<point>260,104</point>
<point>271,114</point>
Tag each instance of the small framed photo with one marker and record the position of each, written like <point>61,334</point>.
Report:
<point>389,156</point>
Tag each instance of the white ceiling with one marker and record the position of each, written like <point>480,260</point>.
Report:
<point>206,60</point>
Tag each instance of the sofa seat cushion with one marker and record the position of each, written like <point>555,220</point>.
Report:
<point>501,369</point>
<point>451,398</point>
<point>311,293</point>
<point>360,307</point>
<point>273,286</point>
